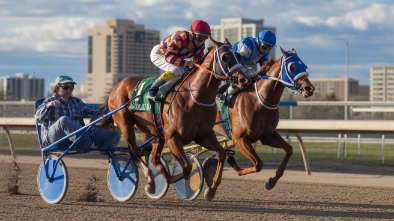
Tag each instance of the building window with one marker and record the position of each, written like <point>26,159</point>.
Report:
<point>90,54</point>
<point>139,36</point>
<point>108,54</point>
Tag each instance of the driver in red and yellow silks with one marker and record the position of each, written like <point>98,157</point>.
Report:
<point>172,51</point>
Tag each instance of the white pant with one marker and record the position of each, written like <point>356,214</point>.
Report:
<point>158,59</point>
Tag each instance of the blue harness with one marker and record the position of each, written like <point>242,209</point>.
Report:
<point>286,77</point>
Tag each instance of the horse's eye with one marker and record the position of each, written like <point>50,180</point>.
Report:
<point>225,57</point>
<point>292,67</point>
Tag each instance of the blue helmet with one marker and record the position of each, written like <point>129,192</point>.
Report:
<point>267,37</point>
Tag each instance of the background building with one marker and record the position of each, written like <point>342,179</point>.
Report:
<point>117,49</point>
<point>234,29</point>
<point>382,83</point>
<point>336,86</point>
<point>21,87</point>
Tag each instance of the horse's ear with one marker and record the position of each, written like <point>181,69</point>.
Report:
<point>294,51</point>
<point>285,54</point>
<point>213,42</point>
<point>227,41</point>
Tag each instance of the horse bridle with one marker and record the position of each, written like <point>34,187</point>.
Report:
<point>217,76</point>
<point>215,58</point>
<point>293,84</point>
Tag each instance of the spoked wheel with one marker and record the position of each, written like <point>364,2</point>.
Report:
<point>189,189</point>
<point>122,177</point>
<point>160,182</point>
<point>52,179</point>
<point>209,168</point>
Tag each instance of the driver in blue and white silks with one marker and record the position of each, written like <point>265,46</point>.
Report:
<point>253,51</point>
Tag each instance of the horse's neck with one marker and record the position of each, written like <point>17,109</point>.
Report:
<point>203,85</point>
<point>271,90</point>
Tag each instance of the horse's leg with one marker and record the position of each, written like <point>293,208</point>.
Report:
<point>210,142</point>
<point>156,154</point>
<point>246,148</point>
<point>275,140</point>
<point>176,148</point>
<point>126,126</point>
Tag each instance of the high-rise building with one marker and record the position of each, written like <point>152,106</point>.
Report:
<point>21,87</point>
<point>235,29</point>
<point>116,50</point>
<point>381,83</point>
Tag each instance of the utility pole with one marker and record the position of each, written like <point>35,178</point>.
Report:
<point>347,73</point>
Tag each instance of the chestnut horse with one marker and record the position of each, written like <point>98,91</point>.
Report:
<point>254,113</point>
<point>188,114</point>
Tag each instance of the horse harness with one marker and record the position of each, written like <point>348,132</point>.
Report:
<point>286,77</point>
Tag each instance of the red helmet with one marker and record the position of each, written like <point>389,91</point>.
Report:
<point>201,27</point>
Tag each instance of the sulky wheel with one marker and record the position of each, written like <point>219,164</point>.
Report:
<point>160,181</point>
<point>189,189</point>
<point>122,177</point>
<point>52,179</point>
<point>209,167</point>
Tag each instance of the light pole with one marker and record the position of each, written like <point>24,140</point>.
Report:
<point>347,73</point>
<point>346,90</point>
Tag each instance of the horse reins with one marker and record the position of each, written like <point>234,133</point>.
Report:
<point>211,72</point>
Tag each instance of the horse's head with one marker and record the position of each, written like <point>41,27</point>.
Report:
<point>293,73</point>
<point>227,64</point>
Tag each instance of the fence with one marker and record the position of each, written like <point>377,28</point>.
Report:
<point>309,110</point>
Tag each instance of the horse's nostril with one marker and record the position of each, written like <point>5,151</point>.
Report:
<point>243,80</point>
<point>308,88</point>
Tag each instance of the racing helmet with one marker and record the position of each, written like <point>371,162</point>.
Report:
<point>267,37</point>
<point>201,27</point>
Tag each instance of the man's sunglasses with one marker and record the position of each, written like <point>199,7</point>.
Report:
<point>67,87</point>
<point>265,47</point>
<point>201,38</point>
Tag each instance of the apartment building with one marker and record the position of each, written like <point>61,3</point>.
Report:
<point>234,29</point>
<point>336,86</point>
<point>21,87</point>
<point>115,50</point>
<point>381,83</point>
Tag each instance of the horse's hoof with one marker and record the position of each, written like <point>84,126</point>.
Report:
<point>268,185</point>
<point>150,188</point>
<point>208,195</point>
<point>231,160</point>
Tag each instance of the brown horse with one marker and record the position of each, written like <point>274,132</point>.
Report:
<point>188,114</point>
<point>254,113</point>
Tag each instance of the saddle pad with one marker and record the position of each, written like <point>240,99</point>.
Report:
<point>141,103</point>
<point>226,119</point>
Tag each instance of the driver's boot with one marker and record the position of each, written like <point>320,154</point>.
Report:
<point>154,89</point>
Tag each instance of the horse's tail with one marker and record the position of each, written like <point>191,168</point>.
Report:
<point>107,123</point>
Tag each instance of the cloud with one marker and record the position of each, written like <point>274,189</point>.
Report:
<point>47,34</point>
<point>360,19</point>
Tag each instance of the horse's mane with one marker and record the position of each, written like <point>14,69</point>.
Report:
<point>267,65</point>
<point>205,55</point>
<point>102,110</point>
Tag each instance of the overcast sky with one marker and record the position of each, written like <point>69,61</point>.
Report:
<point>46,38</point>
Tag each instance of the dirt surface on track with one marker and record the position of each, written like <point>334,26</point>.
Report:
<point>333,192</point>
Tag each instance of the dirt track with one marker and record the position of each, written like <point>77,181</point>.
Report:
<point>296,197</point>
